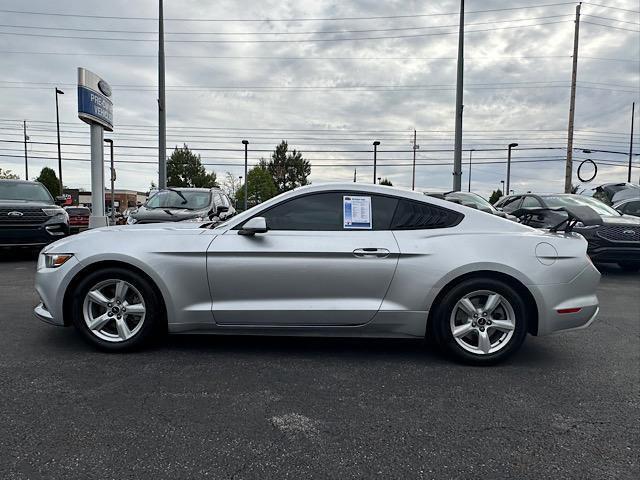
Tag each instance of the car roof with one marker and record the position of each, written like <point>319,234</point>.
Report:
<point>17,180</point>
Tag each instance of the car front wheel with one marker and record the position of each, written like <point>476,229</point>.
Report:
<point>480,321</point>
<point>116,309</point>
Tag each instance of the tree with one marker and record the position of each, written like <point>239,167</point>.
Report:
<point>50,180</point>
<point>260,186</point>
<point>288,170</point>
<point>386,181</point>
<point>184,169</point>
<point>8,175</point>
<point>230,185</point>
<point>495,196</point>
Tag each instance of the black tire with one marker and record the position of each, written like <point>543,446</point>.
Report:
<point>441,329</point>
<point>154,321</point>
<point>629,266</point>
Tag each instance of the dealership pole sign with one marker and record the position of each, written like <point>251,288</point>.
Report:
<point>95,108</point>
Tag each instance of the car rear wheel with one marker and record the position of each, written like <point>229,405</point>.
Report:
<point>630,266</point>
<point>480,321</point>
<point>116,309</point>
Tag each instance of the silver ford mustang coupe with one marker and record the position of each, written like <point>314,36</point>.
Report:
<point>325,260</point>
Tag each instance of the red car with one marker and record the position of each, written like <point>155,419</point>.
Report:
<point>78,218</point>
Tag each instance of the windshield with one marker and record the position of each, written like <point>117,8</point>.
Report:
<point>30,192</point>
<point>568,200</point>
<point>78,211</point>
<point>473,198</point>
<point>193,200</point>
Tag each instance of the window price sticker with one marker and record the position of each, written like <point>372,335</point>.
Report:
<point>357,212</point>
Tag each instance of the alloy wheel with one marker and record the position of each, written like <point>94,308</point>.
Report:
<point>483,322</point>
<point>114,310</point>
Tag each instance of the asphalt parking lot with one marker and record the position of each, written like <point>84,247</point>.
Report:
<point>566,406</point>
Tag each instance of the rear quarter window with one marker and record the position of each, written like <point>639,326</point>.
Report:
<point>412,215</point>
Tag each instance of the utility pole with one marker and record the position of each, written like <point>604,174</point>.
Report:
<point>59,92</point>
<point>355,175</point>
<point>375,159</point>
<point>457,153</point>
<point>246,146</point>
<point>26,160</point>
<point>633,108</point>
<point>162,116</point>
<point>568,174</point>
<point>511,145</point>
<point>415,147</point>
<point>470,153</point>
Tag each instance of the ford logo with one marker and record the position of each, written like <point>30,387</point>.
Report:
<point>104,88</point>
<point>15,214</point>
<point>626,232</point>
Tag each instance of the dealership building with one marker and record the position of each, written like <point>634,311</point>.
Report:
<point>122,199</point>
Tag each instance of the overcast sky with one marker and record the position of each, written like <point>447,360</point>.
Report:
<point>324,92</point>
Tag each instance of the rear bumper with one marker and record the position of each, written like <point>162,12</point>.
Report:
<point>579,293</point>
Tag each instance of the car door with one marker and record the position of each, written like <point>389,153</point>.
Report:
<point>310,268</point>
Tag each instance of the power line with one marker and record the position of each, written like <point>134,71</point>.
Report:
<point>308,19</point>
<point>610,18</point>
<point>611,26</point>
<point>320,40</point>
<point>613,8</point>
<point>316,32</point>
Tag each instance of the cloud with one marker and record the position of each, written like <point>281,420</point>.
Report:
<point>499,107</point>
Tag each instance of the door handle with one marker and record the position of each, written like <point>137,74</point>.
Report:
<point>371,252</point>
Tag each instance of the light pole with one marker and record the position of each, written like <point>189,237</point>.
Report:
<point>379,178</point>
<point>246,146</point>
<point>162,114</point>
<point>375,159</point>
<point>511,145</point>
<point>470,152</point>
<point>26,161</point>
<point>502,189</point>
<point>240,179</point>
<point>113,179</point>
<point>59,92</point>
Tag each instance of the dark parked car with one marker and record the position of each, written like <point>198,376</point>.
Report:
<point>473,200</point>
<point>184,204</point>
<point>78,218</point>
<point>617,240</point>
<point>29,216</point>
<point>613,193</point>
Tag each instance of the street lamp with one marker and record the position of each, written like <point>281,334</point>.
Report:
<point>246,146</point>
<point>379,178</point>
<point>375,159</point>
<point>511,145</point>
<point>113,179</point>
<point>502,189</point>
<point>59,92</point>
<point>240,179</point>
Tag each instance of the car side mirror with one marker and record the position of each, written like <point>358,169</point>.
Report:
<point>253,226</point>
<point>60,200</point>
<point>222,209</point>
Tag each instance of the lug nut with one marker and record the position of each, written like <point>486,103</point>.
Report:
<point>484,314</point>
<point>109,305</point>
<point>118,302</point>
<point>110,314</point>
<point>475,315</point>
<point>119,317</point>
<point>482,329</point>
<point>474,324</point>
<point>488,322</point>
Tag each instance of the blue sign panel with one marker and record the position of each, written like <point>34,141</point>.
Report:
<point>95,107</point>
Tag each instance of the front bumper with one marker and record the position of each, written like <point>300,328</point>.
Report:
<point>51,285</point>
<point>32,235</point>
<point>579,293</point>
<point>614,254</point>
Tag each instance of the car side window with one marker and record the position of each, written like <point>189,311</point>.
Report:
<point>324,212</point>
<point>412,215</point>
<point>531,202</point>
<point>511,204</point>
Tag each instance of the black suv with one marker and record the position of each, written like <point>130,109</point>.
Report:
<point>617,240</point>
<point>184,204</point>
<point>29,216</point>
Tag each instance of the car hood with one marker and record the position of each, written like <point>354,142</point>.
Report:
<point>25,203</point>
<point>624,220</point>
<point>166,214</point>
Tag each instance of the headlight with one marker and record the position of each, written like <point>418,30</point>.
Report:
<point>55,260</point>
<point>583,226</point>
<point>52,211</point>
<point>131,220</point>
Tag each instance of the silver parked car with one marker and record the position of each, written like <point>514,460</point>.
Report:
<point>325,260</point>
